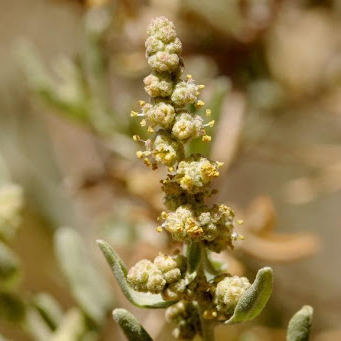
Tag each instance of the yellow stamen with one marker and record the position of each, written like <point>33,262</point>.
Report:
<point>200,103</point>
<point>211,123</point>
<point>201,86</point>
<point>136,138</point>
<point>143,123</point>
<point>133,114</point>
<point>142,103</point>
<point>208,112</point>
<point>150,129</point>
<point>189,76</point>
<point>206,138</point>
<point>139,154</point>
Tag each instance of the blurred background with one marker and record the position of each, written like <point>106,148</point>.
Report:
<point>71,71</point>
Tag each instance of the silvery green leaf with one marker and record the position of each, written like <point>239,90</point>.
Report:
<point>12,308</point>
<point>36,326</point>
<point>142,300</point>
<point>49,309</point>
<point>254,299</point>
<point>9,264</point>
<point>72,327</point>
<point>130,326</point>
<point>300,324</point>
<point>88,286</point>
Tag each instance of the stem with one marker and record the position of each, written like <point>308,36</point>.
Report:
<point>207,327</point>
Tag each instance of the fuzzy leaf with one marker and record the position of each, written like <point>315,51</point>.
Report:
<point>87,284</point>
<point>130,326</point>
<point>36,326</point>
<point>49,309</point>
<point>300,324</point>
<point>142,300</point>
<point>254,299</point>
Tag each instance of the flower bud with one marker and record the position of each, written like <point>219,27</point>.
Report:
<point>195,172</point>
<point>144,276</point>
<point>165,149</point>
<point>158,84</point>
<point>228,292</point>
<point>187,126</point>
<point>184,93</point>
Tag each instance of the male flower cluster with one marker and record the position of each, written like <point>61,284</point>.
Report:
<point>166,276</point>
<point>214,226</point>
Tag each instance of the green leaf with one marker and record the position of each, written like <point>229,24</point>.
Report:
<point>36,326</point>
<point>300,324</point>
<point>130,326</point>
<point>193,257</point>
<point>254,299</point>
<point>49,309</point>
<point>9,264</point>
<point>142,300</point>
<point>88,286</point>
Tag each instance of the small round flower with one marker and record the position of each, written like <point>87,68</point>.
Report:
<point>171,267</point>
<point>163,61</point>
<point>153,45</point>
<point>165,149</point>
<point>185,93</point>
<point>174,47</point>
<point>174,194</point>
<point>144,276</point>
<point>228,292</point>
<point>218,231</point>
<point>187,126</point>
<point>195,172</point>
<point>183,224</point>
<point>161,114</point>
<point>186,318</point>
<point>162,28</point>
<point>158,84</point>
<point>175,291</point>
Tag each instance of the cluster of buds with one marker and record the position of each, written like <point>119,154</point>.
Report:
<point>214,226</point>
<point>186,318</point>
<point>168,117</point>
<point>170,94</point>
<point>228,292</point>
<point>165,276</point>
